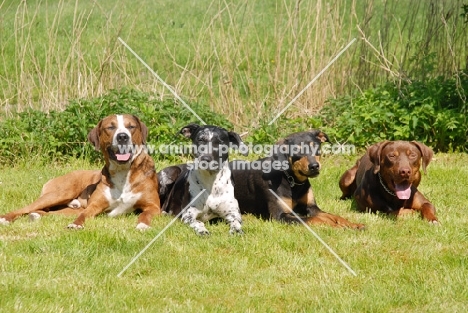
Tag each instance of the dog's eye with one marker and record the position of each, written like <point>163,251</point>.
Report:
<point>391,155</point>
<point>413,155</point>
<point>112,127</point>
<point>131,127</point>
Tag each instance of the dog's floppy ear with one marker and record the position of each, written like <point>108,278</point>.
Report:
<point>93,136</point>
<point>426,154</point>
<point>279,155</point>
<point>321,136</point>
<point>189,130</point>
<point>237,143</point>
<point>144,129</point>
<point>374,152</point>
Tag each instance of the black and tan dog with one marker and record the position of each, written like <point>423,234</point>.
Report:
<point>286,173</point>
<point>297,160</point>
<point>127,181</point>
<point>386,178</point>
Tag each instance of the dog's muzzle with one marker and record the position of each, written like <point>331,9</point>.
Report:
<point>209,163</point>
<point>313,170</point>
<point>206,158</point>
<point>122,138</point>
<point>123,152</point>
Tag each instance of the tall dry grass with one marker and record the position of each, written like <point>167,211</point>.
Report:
<point>49,48</point>
<point>246,59</point>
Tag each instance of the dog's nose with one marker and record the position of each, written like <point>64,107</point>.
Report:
<point>206,158</point>
<point>122,138</point>
<point>405,172</point>
<point>314,167</point>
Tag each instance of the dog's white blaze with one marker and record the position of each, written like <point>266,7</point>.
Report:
<point>210,136</point>
<point>120,196</point>
<point>207,135</point>
<point>120,129</point>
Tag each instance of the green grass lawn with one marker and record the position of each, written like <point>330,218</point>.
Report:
<point>402,265</point>
<point>246,59</point>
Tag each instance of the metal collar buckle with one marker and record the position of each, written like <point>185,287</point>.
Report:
<point>291,180</point>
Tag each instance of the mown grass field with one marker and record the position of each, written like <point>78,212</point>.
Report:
<point>245,60</point>
<point>403,265</point>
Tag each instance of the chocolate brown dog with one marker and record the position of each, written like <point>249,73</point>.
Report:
<point>386,178</point>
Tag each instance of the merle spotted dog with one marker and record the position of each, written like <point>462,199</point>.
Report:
<point>206,183</point>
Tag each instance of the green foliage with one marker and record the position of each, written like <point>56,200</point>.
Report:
<point>433,111</point>
<point>268,134</point>
<point>59,135</point>
<point>464,14</point>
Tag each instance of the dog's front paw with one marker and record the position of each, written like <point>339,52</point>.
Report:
<point>3,221</point>
<point>74,226</point>
<point>236,232</point>
<point>33,216</point>
<point>236,228</point>
<point>142,226</point>
<point>358,226</point>
<point>203,232</point>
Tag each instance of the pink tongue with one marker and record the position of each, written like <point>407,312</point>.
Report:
<point>403,192</point>
<point>123,157</point>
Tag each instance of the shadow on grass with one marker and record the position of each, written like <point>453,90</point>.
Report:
<point>354,208</point>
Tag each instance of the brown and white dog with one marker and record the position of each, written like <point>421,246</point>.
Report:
<point>67,194</point>
<point>127,182</point>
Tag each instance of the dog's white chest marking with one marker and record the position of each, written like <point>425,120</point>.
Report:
<point>121,198</point>
<point>218,199</point>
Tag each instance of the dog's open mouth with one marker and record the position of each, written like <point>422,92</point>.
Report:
<point>119,156</point>
<point>403,190</point>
